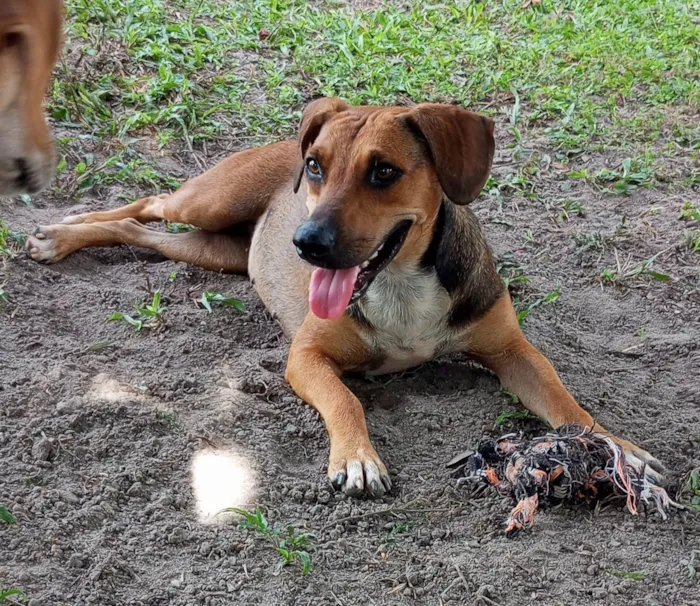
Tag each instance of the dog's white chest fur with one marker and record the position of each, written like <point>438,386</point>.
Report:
<point>408,309</point>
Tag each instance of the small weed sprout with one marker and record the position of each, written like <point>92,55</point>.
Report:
<point>5,594</point>
<point>692,240</point>
<point>10,241</point>
<point>4,240</point>
<point>690,492</point>
<point>513,274</point>
<point>514,415</point>
<point>627,271</point>
<point>689,212</point>
<point>209,297</point>
<point>691,564</point>
<point>148,315</point>
<point>178,228</point>
<point>167,418</point>
<point>546,299</point>
<point>589,242</point>
<point>631,177</point>
<point>6,515</point>
<point>290,544</point>
<point>623,574</point>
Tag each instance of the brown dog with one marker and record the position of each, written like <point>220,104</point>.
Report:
<point>374,265</point>
<point>30,34</point>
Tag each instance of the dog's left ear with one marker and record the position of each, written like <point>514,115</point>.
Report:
<point>461,146</point>
<point>315,116</point>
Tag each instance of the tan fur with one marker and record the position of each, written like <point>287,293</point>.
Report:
<point>30,34</point>
<point>407,315</point>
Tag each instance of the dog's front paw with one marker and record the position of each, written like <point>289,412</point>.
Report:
<point>358,471</point>
<point>638,457</point>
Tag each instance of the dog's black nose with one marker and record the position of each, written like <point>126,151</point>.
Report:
<point>316,241</point>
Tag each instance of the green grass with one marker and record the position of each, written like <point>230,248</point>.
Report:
<point>291,545</point>
<point>459,50</point>
<point>205,70</point>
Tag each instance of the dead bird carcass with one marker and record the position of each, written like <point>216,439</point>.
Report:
<point>569,465</point>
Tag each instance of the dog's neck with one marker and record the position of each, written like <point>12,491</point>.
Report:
<point>408,291</point>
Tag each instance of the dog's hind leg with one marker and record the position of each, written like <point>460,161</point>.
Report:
<point>213,251</point>
<point>237,190</point>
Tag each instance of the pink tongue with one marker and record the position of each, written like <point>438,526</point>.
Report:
<point>330,291</point>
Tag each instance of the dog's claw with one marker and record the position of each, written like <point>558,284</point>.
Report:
<point>657,465</point>
<point>386,481</point>
<point>339,480</point>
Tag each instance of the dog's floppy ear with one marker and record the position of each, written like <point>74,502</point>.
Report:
<point>315,116</point>
<point>461,146</point>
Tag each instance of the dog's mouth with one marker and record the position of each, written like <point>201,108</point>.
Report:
<point>332,290</point>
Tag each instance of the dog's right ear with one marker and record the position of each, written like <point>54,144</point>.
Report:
<point>461,145</point>
<point>315,116</point>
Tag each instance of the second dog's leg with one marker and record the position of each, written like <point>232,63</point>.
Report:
<point>237,190</point>
<point>143,210</point>
<point>216,252</point>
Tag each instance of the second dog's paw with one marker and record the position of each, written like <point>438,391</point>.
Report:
<point>48,244</point>
<point>74,219</point>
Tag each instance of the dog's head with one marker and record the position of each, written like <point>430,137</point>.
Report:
<point>375,179</point>
<point>30,34</point>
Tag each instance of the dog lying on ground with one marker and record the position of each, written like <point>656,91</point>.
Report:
<point>375,264</point>
<point>30,35</point>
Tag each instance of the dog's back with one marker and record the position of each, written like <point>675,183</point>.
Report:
<point>30,34</point>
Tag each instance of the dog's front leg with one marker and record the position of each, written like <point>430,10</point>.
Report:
<point>497,342</point>
<point>321,351</point>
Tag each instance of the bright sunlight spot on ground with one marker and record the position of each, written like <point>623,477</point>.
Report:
<point>220,479</point>
<point>106,388</point>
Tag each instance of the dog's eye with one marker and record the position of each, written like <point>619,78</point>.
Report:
<point>313,167</point>
<point>384,174</point>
